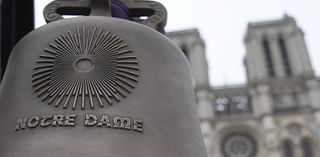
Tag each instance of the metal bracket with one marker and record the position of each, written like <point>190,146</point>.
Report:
<point>54,10</point>
<point>155,12</point>
<point>149,13</point>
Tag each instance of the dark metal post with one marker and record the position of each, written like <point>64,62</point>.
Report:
<point>17,19</point>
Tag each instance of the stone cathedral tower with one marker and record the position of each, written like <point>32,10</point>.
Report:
<point>277,112</point>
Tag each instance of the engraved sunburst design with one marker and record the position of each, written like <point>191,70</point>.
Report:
<point>85,67</point>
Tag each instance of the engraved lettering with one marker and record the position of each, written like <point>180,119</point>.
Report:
<point>45,121</point>
<point>21,124</point>
<point>57,120</point>
<point>138,125</point>
<point>33,122</point>
<point>70,120</point>
<point>122,123</point>
<point>104,121</point>
<point>91,120</point>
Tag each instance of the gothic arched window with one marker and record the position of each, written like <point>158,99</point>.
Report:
<point>306,145</point>
<point>268,57</point>
<point>284,56</point>
<point>288,149</point>
<point>222,106</point>
<point>185,50</point>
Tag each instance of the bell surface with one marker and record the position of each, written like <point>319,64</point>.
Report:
<point>98,87</point>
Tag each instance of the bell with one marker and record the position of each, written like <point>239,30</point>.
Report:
<point>96,86</point>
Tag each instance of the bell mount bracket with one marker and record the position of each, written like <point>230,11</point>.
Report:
<point>154,13</point>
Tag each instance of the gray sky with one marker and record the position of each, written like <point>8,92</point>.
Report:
<point>222,24</point>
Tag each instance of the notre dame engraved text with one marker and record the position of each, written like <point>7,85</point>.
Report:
<point>88,120</point>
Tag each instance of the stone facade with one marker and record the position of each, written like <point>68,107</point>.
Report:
<point>276,113</point>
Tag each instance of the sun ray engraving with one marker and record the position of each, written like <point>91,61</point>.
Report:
<point>85,68</point>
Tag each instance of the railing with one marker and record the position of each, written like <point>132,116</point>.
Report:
<point>291,109</point>
<point>233,117</point>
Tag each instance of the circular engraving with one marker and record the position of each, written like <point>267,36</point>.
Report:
<point>84,68</point>
<point>238,144</point>
<point>84,65</point>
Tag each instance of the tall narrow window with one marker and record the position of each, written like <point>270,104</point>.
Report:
<point>284,56</point>
<point>222,107</point>
<point>185,50</point>
<point>307,148</point>
<point>268,57</point>
<point>288,149</point>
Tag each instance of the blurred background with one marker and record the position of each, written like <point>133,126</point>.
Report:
<point>223,23</point>
<point>256,66</point>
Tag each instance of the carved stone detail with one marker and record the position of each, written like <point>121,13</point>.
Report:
<point>239,144</point>
<point>85,67</point>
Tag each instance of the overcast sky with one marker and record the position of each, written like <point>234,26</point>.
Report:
<point>222,24</point>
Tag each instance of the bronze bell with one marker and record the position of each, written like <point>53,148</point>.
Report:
<point>96,86</point>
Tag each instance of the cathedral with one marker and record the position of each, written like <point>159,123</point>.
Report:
<point>276,112</point>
